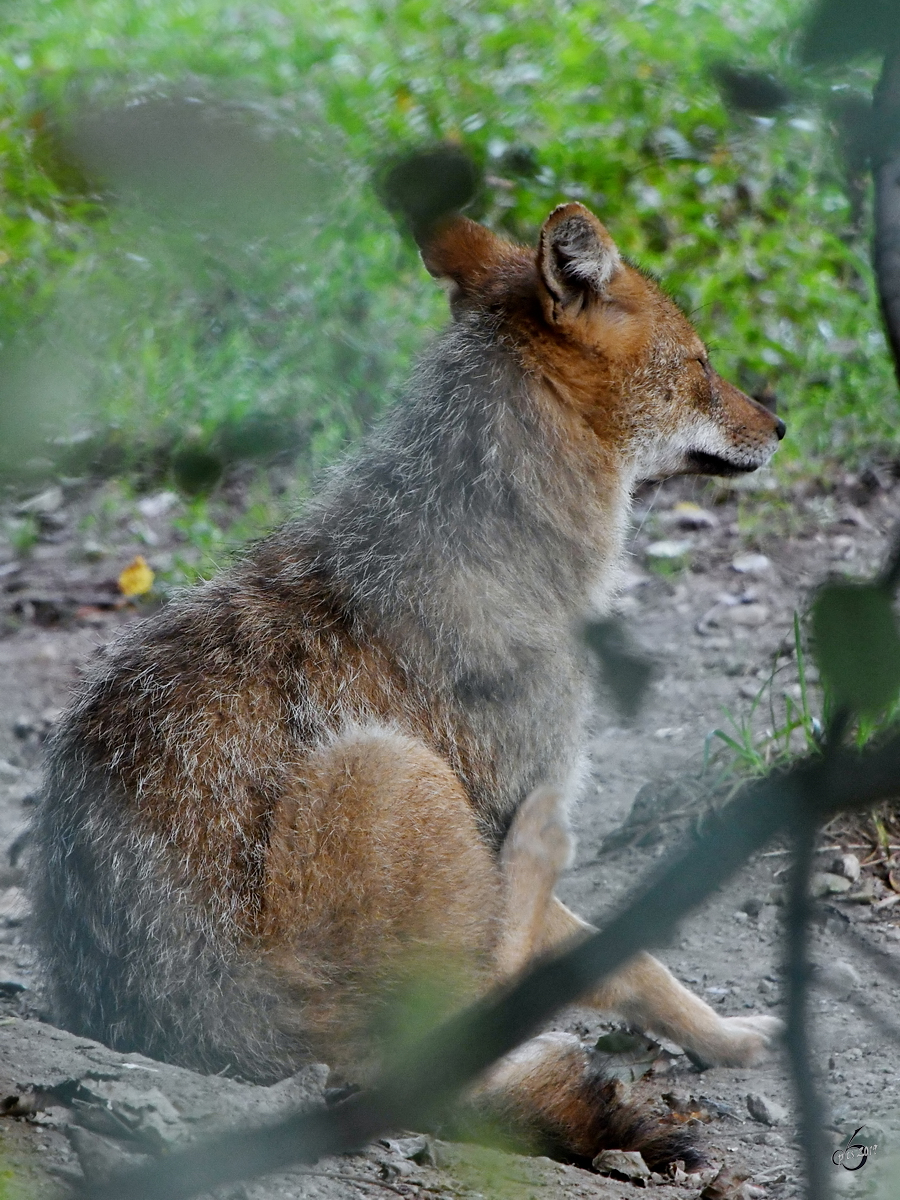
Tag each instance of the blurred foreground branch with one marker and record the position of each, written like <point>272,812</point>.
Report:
<point>886,171</point>
<point>810,1112</point>
<point>414,1089</point>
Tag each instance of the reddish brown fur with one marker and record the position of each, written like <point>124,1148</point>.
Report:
<point>561,1103</point>
<point>588,351</point>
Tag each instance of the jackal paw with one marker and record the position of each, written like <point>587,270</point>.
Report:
<point>741,1042</point>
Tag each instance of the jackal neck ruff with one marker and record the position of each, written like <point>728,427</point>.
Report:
<point>467,539</point>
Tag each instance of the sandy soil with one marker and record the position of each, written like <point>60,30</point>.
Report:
<point>715,632</point>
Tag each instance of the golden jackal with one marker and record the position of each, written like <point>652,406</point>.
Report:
<point>347,759</point>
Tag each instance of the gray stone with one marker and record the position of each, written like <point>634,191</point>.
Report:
<point>847,865</point>
<point>102,1157</point>
<point>750,564</point>
<point>824,883</point>
<point>419,1148</point>
<point>686,515</point>
<point>148,1099</point>
<point>766,1110</point>
<point>44,502</point>
<point>622,1164</point>
<point>839,977</point>
<point>669,550</point>
<point>749,615</point>
<point>122,1108</point>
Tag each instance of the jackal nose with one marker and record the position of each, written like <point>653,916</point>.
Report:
<point>780,428</point>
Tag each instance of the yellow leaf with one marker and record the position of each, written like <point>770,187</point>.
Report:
<point>687,507</point>
<point>136,579</point>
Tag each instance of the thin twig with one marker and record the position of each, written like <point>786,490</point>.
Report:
<point>403,1190</point>
<point>819,850</point>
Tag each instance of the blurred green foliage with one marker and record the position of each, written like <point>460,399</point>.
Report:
<point>130,331</point>
<point>858,646</point>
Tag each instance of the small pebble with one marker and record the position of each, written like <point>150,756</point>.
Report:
<point>824,883</point>
<point>765,1110</point>
<point>622,1164</point>
<point>750,564</point>
<point>44,502</point>
<point>748,615</point>
<point>679,1102</point>
<point>668,550</point>
<point>687,515</point>
<point>847,865</point>
<point>840,977</point>
<point>156,505</point>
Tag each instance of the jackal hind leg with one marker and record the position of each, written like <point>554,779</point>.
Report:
<point>382,903</point>
<point>648,995</point>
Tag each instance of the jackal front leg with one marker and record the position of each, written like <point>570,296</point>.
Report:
<point>537,848</point>
<point>648,995</point>
<point>644,992</point>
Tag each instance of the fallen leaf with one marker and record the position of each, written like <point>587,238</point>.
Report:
<point>627,1056</point>
<point>137,578</point>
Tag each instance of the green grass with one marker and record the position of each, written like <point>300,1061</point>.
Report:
<point>784,721</point>
<point>790,724</point>
<point>128,329</point>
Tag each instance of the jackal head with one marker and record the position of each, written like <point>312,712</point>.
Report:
<point>608,344</point>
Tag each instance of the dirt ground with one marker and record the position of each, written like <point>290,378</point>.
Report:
<point>716,576</point>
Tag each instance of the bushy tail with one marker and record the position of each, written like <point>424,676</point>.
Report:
<point>552,1097</point>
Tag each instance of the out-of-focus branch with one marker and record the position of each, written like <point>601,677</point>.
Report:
<point>415,1088</point>
<point>886,171</point>
<point>811,1117</point>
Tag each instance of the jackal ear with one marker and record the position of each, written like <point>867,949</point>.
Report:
<point>576,260</point>
<point>462,251</point>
